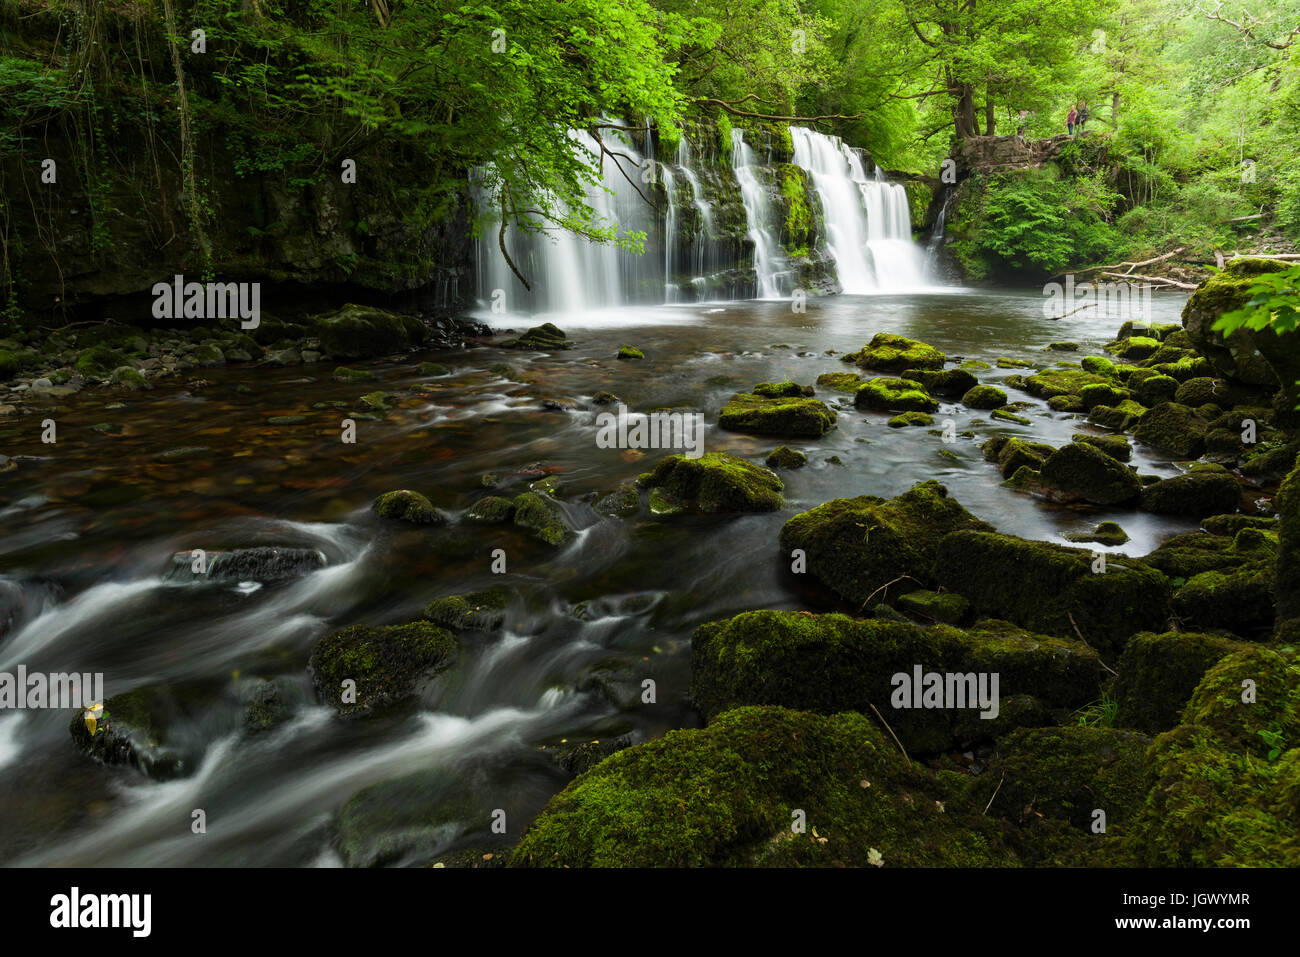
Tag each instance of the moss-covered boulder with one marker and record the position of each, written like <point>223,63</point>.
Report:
<point>830,663</point>
<point>1155,389</point>
<point>1133,348</point>
<point>1239,600</point>
<point>1158,673</point>
<point>1106,533</point>
<point>543,517</point>
<point>1116,446</point>
<point>1098,365</point>
<point>405,505</point>
<point>1052,382</point>
<point>361,332</point>
<point>894,395</point>
<point>780,415</point>
<point>848,382</point>
<point>481,610</point>
<point>946,607</point>
<point>784,457</point>
<point>362,670</point>
<point>1102,393</point>
<point>1195,493</point>
<point>492,510</point>
<point>950,383</point>
<point>1120,418</point>
<point>1287,582</point>
<point>890,353</point>
<point>1173,428</point>
<point>629,352</point>
<point>857,545</point>
<point>984,397</point>
<point>624,500</point>
<point>1049,782</point>
<point>1079,471</point>
<point>1053,589</point>
<point>1012,454</point>
<point>544,338</point>
<point>1226,782</point>
<point>716,482</point>
<point>727,795</point>
<point>783,390</point>
<point>905,419</point>
<point>156,729</point>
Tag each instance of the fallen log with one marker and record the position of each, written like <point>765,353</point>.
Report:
<point>1152,279</point>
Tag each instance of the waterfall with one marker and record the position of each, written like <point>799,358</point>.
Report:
<point>758,215</point>
<point>868,222</point>
<point>704,257</point>
<point>670,231</point>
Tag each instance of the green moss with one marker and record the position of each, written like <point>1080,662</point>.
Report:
<point>848,382</point>
<point>480,610</point>
<point>1005,362</point>
<point>1195,493</point>
<point>1012,454</point>
<point>1159,672</point>
<point>387,664</point>
<point>724,795</point>
<point>357,332</point>
<point>1116,446</point>
<point>1101,393</point>
<point>799,219</point>
<point>783,457</point>
<point>543,517</point>
<point>1052,382</point>
<point>1173,428</point>
<point>406,506</point>
<point>1240,600</point>
<point>1005,416</point>
<point>624,500</point>
<point>630,352</point>
<point>547,337</point>
<point>1121,418</point>
<point>951,383</point>
<point>911,419</point>
<point>493,509</point>
<point>890,353</point>
<point>1098,365</point>
<point>1133,347</point>
<point>1106,533</point>
<point>432,369</point>
<point>132,379</point>
<point>984,397</point>
<point>1079,471</point>
<point>776,416</point>
<point>98,362</point>
<point>894,395</point>
<point>946,607</point>
<point>782,390</point>
<point>715,482</point>
<point>856,545</point>
<point>346,374</point>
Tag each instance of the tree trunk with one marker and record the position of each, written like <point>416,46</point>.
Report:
<point>1114,107</point>
<point>964,112</point>
<point>990,120</point>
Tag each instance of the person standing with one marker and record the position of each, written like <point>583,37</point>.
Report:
<point>1071,119</point>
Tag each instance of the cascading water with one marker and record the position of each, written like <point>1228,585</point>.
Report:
<point>704,247</point>
<point>868,222</point>
<point>670,232</point>
<point>768,264</point>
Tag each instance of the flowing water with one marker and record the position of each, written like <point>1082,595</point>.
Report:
<point>88,528</point>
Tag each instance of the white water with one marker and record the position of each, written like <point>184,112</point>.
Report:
<point>769,267</point>
<point>868,222</point>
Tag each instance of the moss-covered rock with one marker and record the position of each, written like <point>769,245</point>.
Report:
<point>348,374</point>
<point>726,795</point>
<point>1195,493</point>
<point>760,415</point>
<point>481,610</point>
<point>783,390</point>
<point>405,505</point>
<point>716,482</point>
<point>984,397</point>
<point>132,379</point>
<point>910,419</point>
<point>856,545</point>
<point>1287,583</point>
<point>830,663</point>
<point>360,332</point>
<point>1121,418</point>
<point>1066,403</point>
<point>1158,673</point>
<point>848,382</point>
<point>1226,789</point>
<point>1116,446</point>
<point>1106,533</point>
<point>890,353</point>
<point>1102,393</point>
<point>950,383</point>
<point>544,338</point>
<point>1098,365</point>
<point>1173,428</point>
<point>1155,389</point>
<point>387,664</point>
<point>946,607</point>
<point>1052,588</point>
<point>1240,600</point>
<point>784,457</point>
<point>1079,471</point>
<point>543,517</point>
<point>154,729</point>
<point>624,500</point>
<point>1133,348</point>
<point>1012,454</point>
<point>492,510</point>
<point>894,395</point>
<point>1052,382</point>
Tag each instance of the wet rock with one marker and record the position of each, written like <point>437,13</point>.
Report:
<point>581,757</point>
<point>347,374</point>
<point>1106,533</point>
<point>544,338</point>
<point>722,796</point>
<point>624,500</point>
<point>784,457</point>
<point>758,415</point>
<point>361,332</point>
<point>949,608</point>
<point>1155,389</point>
<point>857,545</point>
<point>155,729</point>
<point>1173,428</point>
<point>1052,382</point>
<point>1240,601</point>
<point>604,398</point>
<point>950,383</point>
<point>848,382</point>
<point>480,610</point>
<point>405,505</point>
<point>984,397</point>
<point>1195,493</point>
<point>492,510</point>
<point>782,390</point>
<point>1098,365</point>
<point>1121,418</point>
<point>269,703</point>
<point>432,369</point>
<point>1012,454</point>
<point>387,665</point>
<point>1053,589</point>
<point>408,819</point>
<point>130,378</point>
<point>629,352</point>
<point>890,353</point>
<point>715,482</point>
<point>1158,673</point>
<point>1134,348</point>
<point>894,395</point>
<point>264,564</point>
<point>1078,471</point>
<point>910,419</point>
<point>542,517</point>
<point>1116,446</point>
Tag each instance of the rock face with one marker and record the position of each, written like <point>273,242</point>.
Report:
<point>715,482</point>
<point>1008,152</point>
<point>833,663</point>
<point>783,415</point>
<point>723,795</point>
<point>855,546</point>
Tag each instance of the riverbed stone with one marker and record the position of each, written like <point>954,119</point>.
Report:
<point>155,729</point>
<point>387,664</point>
<point>1195,493</point>
<point>1173,428</point>
<point>543,517</point>
<point>1116,446</point>
<point>984,397</point>
<point>1011,454</point>
<point>480,610</point>
<point>1238,600</point>
<point>790,416</point>
<point>950,383</point>
<point>543,338</point>
<point>1080,471</point>
<point>405,505</point>
<point>894,395</point>
<point>784,457</point>
<point>893,353</point>
<point>1106,533</point>
<point>1159,672</point>
<point>358,332</point>
<point>715,482</point>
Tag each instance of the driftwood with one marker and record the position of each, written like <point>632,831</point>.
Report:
<point>1152,279</point>
<point>1131,265</point>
